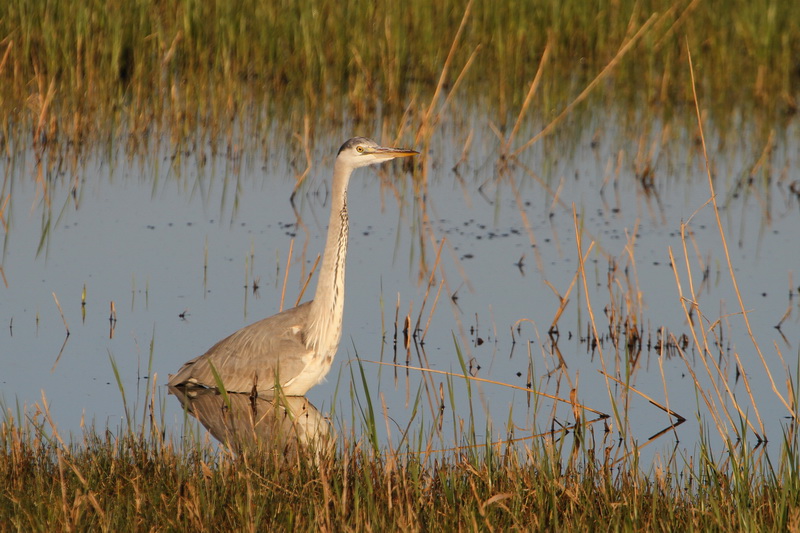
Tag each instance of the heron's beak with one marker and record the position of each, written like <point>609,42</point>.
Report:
<point>393,152</point>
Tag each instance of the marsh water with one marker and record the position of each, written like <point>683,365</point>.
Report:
<point>154,258</point>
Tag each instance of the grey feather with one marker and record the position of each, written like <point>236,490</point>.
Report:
<point>236,357</point>
<point>294,348</point>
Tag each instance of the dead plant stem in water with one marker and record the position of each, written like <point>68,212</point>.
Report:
<point>624,49</point>
<point>723,240</point>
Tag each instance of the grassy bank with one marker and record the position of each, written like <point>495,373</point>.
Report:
<point>139,481</point>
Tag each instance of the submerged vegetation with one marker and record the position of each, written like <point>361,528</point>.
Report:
<point>219,78</point>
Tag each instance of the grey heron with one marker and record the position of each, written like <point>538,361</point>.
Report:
<point>294,348</point>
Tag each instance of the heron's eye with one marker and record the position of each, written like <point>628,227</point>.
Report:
<point>360,149</point>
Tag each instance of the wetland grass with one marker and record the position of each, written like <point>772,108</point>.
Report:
<point>198,72</point>
<point>580,472</point>
<point>150,477</point>
<point>136,75</point>
<point>133,79</point>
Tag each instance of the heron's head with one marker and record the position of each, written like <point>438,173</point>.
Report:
<point>360,152</point>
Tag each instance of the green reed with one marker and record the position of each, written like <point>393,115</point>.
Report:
<point>81,71</point>
<point>132,480</point>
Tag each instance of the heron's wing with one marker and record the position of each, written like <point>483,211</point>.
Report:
<point>257,354</point>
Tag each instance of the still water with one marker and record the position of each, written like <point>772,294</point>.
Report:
<point>177,245</point>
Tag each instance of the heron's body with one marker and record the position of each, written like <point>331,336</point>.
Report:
<point>295,348</point>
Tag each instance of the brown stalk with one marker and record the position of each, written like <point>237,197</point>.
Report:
<point>305,139</point>
<point>529,97</point>
<point>173,48</point>
<point>464,156</point>
<point>493,382</point>
<point>308,280</point>
<point>112,320</point>
<point>675,25</point>
<point>72,466</point>
<point>563,300</point>
<point>453,303</point>
<point>300,225</point>
<point>582,272</point>
<point>646,397</point>
<point>60,353</point>
<point>66,327</point>
<point>3,210</point>
<point>424,127</point>
<point>701,346</point>
<point>704,345</point>
<point>697,252</point>
<point>433,308</point>
<point>286,275</point>
<point>430,283</point>
<point>429,119</point>
<point>663,376</point>
<point>746,382</point>
<point>45,107</point>
<point>648,442</point>
<point>555,431</point>
<point>5,56</point>
<point>151,409</point>
<point>396,320</point>
<point>456,84</point>
<point>725,245</point>
<point>777,326</point>
<point>624,49</point>
<point>554,351</point>
<point>63,483</point>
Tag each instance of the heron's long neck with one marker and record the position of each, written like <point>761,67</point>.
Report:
<point>326,312</point>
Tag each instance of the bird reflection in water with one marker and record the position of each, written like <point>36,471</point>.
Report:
<point>280,424</point>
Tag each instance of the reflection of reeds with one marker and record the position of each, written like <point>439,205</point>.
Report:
<point>146,76</point>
